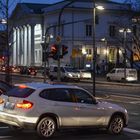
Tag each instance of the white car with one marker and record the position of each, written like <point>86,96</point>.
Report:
<point>118,74</point>
<point>66,73</point>
<point>84,74</point>
<point>48,107</point>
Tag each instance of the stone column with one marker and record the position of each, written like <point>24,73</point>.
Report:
<point>25,45</point>
<point>32,45</point>
<point>17,46</point>
<point>14,47</point>
<point>28,46</point>
<point>20,45</point>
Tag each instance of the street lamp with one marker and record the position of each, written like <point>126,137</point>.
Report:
<point>106,51</point>
<point>94,47</point>
<point>125,31</point>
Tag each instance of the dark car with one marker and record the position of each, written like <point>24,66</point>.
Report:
<point>23,69</point>
<point>4,87</point>
<point>32,71</point>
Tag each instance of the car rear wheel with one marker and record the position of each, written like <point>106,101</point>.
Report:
<point>116,125</point>
<point>51,78</point>
<point>108,79</point>
<point>46,127</point>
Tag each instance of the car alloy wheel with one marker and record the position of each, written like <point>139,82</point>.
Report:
<point>116,125</point>
<point>46,127</point>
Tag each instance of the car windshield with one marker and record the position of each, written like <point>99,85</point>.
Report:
<point>21,92</point>
<point>69,69</point>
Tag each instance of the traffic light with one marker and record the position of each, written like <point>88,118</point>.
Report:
<point>64,50</point>
<point>54,52</point>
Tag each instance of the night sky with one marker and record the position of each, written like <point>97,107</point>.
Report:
<point>53,1</point>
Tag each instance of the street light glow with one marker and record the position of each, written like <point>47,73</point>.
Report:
<point>3,21</point>
<point>99,7</point>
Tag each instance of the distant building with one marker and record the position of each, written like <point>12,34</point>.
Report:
<point>30,22</point>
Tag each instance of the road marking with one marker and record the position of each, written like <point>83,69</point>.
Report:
<point>135,102</point>
<point>4,127</point>
<point>134,113</point>
<point>3,137</point>
<point>132,131</point>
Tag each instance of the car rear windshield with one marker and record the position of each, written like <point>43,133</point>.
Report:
<point>20,92</point>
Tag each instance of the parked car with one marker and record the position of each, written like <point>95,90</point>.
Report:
<point>15,69</point>
<point>32,71</point>
<point>67,73</point>
<point>85,74</point>
<point>118,74</point>
<point>23,69</point>
<point>4,87</point>
<point>48,107</point>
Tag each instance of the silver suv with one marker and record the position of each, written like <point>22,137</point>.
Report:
<point>49,107</point>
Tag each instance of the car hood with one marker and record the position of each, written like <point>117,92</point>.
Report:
<point>111,106</point>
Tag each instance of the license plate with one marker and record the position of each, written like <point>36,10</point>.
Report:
<point>9,105</point>
<point>32,73</point>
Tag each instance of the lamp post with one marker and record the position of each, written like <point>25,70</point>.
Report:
<point>106,52</point>
<point>59,34</point>
<point>94,47</point>
<point>125,31</point>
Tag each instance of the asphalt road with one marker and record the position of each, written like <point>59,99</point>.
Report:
<point>126,95</point>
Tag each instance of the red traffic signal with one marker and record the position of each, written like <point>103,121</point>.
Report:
<point>54,51</point>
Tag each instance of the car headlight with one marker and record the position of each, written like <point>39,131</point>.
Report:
<point>70,75</point>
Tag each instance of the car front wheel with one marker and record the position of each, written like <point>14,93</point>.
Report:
<point>116,125</point>
<point>46,127</point>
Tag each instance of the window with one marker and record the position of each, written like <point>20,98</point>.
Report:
<point>113,71</point>
<point>82,96</point>
<point>20,91</point>
<point>88,30</point>
<point>62,95</point>
<point>112,31</point>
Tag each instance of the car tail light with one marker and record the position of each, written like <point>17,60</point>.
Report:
<point>24,105</point>
<point>1,101</point>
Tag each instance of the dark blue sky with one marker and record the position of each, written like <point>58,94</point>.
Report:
<point>53,1</point>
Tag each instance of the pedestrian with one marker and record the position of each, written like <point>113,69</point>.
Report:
<point>97,68</point>
<point>103,67</point>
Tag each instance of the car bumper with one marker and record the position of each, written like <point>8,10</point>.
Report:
<point>20,121</point>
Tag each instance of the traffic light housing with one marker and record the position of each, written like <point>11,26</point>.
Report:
<point>54,51</point>
<point>64,50</point>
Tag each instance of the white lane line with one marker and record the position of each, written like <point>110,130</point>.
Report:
<point>3,137</point>
<point>134,113</point>
<point>4,127</point>
<point>135,102</point>
<point>132,131</point>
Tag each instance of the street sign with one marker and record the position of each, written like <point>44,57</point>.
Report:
<point>58,39</point>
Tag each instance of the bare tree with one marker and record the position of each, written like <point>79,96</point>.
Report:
<point>6,7</point>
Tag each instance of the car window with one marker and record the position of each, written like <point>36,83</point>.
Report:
<point>113,71</point>
<point>62,69</point>
<point>82,96</point>
<point>20,92</point>
<point>62,95</point>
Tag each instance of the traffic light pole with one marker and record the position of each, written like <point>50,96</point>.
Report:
<point>59,34</point>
